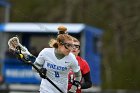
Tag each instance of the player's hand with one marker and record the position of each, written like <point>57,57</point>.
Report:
<point>43,72</point>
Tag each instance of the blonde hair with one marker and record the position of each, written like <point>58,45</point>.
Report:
<point>75,40</point>
<point>62,36</point>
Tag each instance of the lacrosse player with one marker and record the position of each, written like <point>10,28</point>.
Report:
<point>54,62</point>
<point>84,67</point>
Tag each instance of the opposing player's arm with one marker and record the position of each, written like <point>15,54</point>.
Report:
<point>86,75</point>
<point>87,81</point>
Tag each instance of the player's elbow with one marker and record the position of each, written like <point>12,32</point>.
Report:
<point>86,85</point>
<point>89,84</point>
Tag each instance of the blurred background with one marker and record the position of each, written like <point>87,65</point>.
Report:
<point>108,31</point>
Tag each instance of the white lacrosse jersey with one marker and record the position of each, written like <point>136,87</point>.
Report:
<point>57,70</point>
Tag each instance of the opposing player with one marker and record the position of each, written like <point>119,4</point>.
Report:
<point>84,67</point>
<point>55,63</point>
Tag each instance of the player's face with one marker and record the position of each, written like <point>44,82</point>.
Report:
<point>67,47</point>
<point>76,48</point>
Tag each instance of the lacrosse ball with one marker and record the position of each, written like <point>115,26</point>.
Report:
<point>21,55</point>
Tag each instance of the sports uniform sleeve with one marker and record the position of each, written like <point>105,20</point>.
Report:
<point>76,69</point>
<point>39,62</point>
<point>85,68</point>
<point>74,64</point>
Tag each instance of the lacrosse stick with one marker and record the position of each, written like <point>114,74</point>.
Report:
<point>22,53</point>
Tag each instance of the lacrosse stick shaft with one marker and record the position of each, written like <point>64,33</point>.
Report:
<point>36,68</point>
<point>46,77</point>
<point>17,47</point>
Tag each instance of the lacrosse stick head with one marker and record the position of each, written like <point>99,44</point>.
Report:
<point>13,43</point>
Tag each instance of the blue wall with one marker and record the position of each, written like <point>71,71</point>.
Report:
<point>15,71</point>
<point>92,56</point>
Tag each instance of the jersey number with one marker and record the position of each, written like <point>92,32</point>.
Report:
<point>56,74</point>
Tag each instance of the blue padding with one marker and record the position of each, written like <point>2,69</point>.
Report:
<point>94,31</point>
<point>15,71</point>
<point>2,27</point>
<point>93,58</point>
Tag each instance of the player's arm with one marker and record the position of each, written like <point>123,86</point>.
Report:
<point>19,50</point>
<point>85,75</point>
<point>87,81</point>
<point>77,79</point>
<point>22,53</point>
<point>39,62</point>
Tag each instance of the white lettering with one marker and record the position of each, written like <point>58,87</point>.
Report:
<point>17,73</point>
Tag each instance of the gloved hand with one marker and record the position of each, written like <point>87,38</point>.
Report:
<point>43,72</point>
<point>24,51</point>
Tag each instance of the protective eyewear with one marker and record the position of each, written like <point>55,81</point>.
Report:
<point>76,46</point>
<point>68,46</point>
